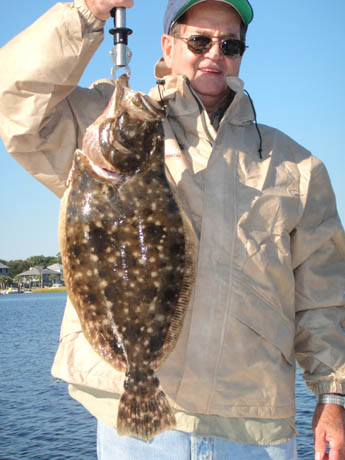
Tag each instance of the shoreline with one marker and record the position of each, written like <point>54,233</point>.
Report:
<point>36,291</point>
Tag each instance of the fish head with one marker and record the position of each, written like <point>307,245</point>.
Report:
<point>129,133</point>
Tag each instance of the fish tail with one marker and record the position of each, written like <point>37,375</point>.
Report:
<point>144,415</point>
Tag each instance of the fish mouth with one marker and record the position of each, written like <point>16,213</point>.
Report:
<point>104,172</point>
<point>101,172</point>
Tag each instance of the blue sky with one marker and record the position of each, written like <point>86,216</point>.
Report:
<point>294,69</point>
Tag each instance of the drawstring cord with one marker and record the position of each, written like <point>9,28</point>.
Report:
<point>256,124</point>
<point>161,82</point>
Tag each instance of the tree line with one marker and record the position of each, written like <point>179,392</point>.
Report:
<point>19,266</point>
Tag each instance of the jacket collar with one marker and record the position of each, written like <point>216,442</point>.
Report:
<point>176,91</point>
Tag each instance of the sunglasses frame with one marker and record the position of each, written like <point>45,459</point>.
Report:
<point>210,44</point>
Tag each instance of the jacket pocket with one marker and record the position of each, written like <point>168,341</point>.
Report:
<point>267,320</point>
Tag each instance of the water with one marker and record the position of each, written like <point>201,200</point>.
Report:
<point>38,419</point>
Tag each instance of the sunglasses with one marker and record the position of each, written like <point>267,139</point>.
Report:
<point>200,44</point>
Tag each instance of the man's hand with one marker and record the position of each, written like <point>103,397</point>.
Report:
<point>329,428</point>
<point>101,8</point>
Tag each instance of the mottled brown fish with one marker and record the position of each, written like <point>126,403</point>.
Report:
<point>127,253</point>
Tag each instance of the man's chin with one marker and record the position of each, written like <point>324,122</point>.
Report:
<point>210,85</point>
<point>209,95</point>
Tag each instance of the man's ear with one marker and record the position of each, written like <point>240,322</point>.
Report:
<point>167,49</point>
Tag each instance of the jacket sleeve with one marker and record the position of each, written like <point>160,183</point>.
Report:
<point>40,104</point>
<point>318,248</point>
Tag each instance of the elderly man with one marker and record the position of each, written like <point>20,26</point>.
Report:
<point>271,261</point>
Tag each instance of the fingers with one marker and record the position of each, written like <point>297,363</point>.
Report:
<point>336,452</point>
<point>329,428</point>
<point>320,447</point>
<point>320,443</point>
<point>101,8</point>
<point>122,3</point>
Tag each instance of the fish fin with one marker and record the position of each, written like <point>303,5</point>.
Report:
<point>144,416</point>
<point>183,303</point>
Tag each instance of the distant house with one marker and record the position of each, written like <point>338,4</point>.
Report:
<point>39,277</point>
<point>57,268</point>
<point>4,270</point>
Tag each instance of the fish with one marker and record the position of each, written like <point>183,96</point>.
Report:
<point>128,254</point>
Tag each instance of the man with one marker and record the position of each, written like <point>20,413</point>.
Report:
<point>271,262</point>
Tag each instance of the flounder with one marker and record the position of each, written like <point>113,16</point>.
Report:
<point>128,253</point>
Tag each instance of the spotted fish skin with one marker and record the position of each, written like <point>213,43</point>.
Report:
<point>128,255</point>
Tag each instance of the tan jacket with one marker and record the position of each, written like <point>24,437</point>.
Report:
<point>271,262</point>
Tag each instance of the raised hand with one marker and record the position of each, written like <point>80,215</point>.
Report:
<point>101,8</point>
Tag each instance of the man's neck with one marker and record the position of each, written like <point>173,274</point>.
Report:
<point>217,114</point>
<point>212,103</point>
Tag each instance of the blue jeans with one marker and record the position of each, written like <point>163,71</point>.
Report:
<point>177,445</point>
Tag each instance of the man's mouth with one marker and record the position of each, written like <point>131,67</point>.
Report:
<point>210,70</point>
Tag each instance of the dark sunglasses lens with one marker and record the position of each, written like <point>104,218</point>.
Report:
<point>233,47</point>
<point>199,44</point>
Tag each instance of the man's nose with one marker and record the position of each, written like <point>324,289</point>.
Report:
<point>215,51</point>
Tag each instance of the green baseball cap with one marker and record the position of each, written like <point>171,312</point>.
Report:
<point>176,8</point>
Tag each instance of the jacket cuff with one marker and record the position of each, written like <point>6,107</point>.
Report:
<point>92,23</point>
<point>327,387</point>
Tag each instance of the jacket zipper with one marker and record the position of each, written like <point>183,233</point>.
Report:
<point>202,114</point>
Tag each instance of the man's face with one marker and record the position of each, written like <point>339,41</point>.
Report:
<point>207,72</point>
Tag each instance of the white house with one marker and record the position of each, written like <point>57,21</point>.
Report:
<point>38,276</point>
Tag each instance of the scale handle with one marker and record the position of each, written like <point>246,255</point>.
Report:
<point>120,33</point>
